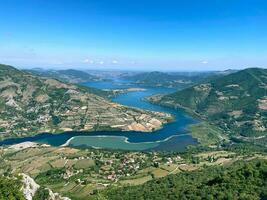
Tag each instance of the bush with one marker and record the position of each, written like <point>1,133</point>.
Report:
<point>41,194</point>
<point>10,189</point>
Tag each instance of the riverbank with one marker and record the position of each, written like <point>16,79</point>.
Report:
<point>174,127</point>
<point>87,140</point>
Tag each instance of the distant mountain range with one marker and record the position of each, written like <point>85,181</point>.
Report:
<point>68,75</point>
<point>236,102</point>
<point>31,104</point>
<point>178,80</point>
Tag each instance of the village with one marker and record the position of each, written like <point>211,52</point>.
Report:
<point>65,170</point>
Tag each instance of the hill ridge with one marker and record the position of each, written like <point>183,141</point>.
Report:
<point>237,102</point>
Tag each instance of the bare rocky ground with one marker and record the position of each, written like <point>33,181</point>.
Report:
<point>30,188</point>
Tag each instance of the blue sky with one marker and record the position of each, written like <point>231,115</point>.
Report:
<point>134,34</point>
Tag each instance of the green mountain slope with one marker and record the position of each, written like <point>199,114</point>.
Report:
<point>237,102</point>
<point>31,104</point>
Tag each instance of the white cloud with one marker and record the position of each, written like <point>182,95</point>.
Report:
<point>204,62</point>
<point>101,62</point>
<point>88,61</point>
<point>114,62</point>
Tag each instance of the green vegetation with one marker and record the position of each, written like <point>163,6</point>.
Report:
<point>84,173</point>
<point>10,188</point>
<point>206,134</point>
<point>76,173</point>
<point>41,194</point>
<point>171,80</point>
<point>239,181</point>
<point>236,103</point>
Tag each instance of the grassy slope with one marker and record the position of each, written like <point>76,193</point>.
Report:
<point>206,134</point>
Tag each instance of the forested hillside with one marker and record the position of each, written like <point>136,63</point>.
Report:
<point>237,102</point>
<point>242,180</point>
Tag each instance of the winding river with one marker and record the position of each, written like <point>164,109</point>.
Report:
<point>172,137</point>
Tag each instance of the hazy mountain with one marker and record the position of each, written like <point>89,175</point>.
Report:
<point>177,80</point>
<point>68,75</point>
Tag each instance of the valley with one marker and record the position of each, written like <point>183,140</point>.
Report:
<point>160,140</point>
<point>32,104</point>
<point>133,100</point>
<point>103,118</point>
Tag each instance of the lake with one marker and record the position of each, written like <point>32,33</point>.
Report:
<point>172,137</point>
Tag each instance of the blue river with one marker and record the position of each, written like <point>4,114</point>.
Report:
<point>172,137</point>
